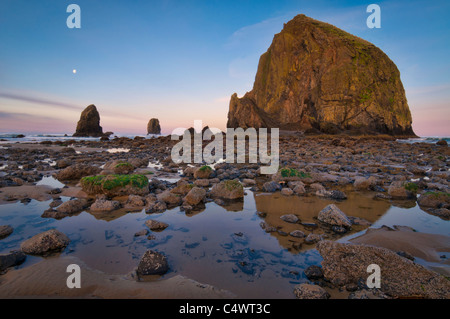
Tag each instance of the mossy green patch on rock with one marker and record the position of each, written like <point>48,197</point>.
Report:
<point>115,185</point>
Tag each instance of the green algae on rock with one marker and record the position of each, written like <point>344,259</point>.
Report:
<point>115,185</point>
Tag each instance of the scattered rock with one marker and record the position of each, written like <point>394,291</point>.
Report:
<point>72,206</point>
<point>77,171</point>
<point>156,225</point>
<point>203,172</point>
<point>314,272</point>
<point>195,196</point>
<point>143,232</point>
<point>333,216</point>
<point>347,263</point>
<point>397,190</point>
<point>44,243</point>
<point>308,291</point>
<point>5,231</point>
<point>287,191</point>
<point>313,238</point>
<point>290,218</point>
<point>14,258</point>
<point>229,189</point>
<point>271,187</point>
<point>152,263</point>
<point>297,234</point>
<point>103,205</point>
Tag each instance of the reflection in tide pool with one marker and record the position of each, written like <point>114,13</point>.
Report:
<point>222,246</point>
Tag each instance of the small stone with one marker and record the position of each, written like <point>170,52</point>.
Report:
<point>46,242</point>
<point>313,238</point>
<point>156,225</point>
<point>297,234</point>
<point>5,231</point>
<point>152,263</point>
<point>313,272</point>
<point>287,191</point>
<point>308,291</point>
<point>143,232</point>
<point>290,218</point>
<point>333,216</point>
<point>12,259</point>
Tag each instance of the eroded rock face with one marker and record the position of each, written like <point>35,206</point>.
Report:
<point>89,123</point>
<point>316,77</point>
<point>153,127</point>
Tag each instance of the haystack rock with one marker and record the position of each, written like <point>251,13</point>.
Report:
<point>89,123</point>
<point>153,127</point>
<point>317,78</point>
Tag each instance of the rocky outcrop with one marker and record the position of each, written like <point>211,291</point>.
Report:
<point>89,123</point>
<point>153,127</point>
<point>317,78</point>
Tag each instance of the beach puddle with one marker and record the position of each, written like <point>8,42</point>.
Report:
<point>221,246</point>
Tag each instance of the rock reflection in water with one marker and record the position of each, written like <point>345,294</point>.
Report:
<point>306,208</point>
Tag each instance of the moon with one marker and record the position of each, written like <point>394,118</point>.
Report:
<point>74,71</point>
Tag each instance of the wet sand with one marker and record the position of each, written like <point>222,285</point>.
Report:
<point>47,279</point>
<point>429,247</point>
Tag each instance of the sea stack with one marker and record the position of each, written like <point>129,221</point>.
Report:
<point>89,123</point>
<point>317,78</point>
<point>153,127</point>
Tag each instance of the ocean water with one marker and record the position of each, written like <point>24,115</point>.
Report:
<point>425,139</point>
<point>39,137</point>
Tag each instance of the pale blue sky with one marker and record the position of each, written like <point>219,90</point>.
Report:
<point>182,60</point>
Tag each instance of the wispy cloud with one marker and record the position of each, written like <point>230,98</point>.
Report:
<point>38,100</point>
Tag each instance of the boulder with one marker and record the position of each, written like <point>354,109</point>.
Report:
<point>116,185</point>
<point>287,191</point>
<point>11,259</point>
<point>290,218</point>
<point>170,198</point>
<point>153,127</point>
<point>135,202</point>
<point>77,171</point>
<point>152,263</point>
<point>308,291</point>
<point>195,196</point>
<point>103,205</point>
<point>229,189</point>
<point>271,187</point>
<point>72,206</point>
<point>44,243</point>
<point>5,231</point>
<point>345,264</point>
<point>434,200</point>
<point>203,172</point>
<point>89,123</point>
<point>313,272</point>
<point>156,225</point>
<point>397,190</point>
<point>333,216</point>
